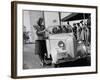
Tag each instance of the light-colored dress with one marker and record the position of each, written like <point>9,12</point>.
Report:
<point>85,34</point>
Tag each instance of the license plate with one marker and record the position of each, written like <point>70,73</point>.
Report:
<point>62,55</point>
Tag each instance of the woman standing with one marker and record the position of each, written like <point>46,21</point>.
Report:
<point>75,30</point>
<point>79,30</point>
<point>85,34</point>
<point>41,42</point>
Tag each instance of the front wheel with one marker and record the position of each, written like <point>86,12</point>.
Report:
<point>55,65</point>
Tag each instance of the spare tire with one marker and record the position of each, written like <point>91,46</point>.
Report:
<point>81,50</point>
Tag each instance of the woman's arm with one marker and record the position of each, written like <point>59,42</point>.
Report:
<point>39,32</point>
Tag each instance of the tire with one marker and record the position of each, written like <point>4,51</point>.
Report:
<point>55,65</point>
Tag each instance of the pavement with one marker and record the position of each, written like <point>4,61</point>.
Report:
<point>30,60</point>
